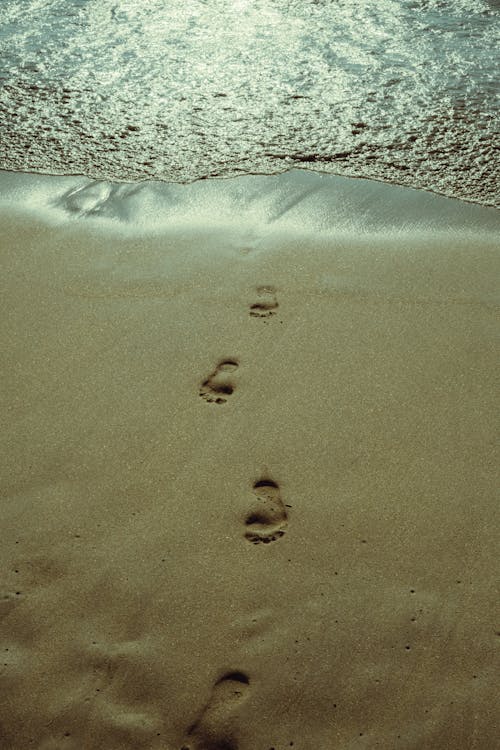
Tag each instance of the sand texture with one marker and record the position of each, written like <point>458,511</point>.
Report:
<point>248,490</point>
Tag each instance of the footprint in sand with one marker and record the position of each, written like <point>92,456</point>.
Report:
<point>87,199</point>
<point>216,728</point>
<point>217,388</point>
<point>266,304</point>
<point>267,518</point>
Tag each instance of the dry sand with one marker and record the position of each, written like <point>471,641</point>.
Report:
<point>247,490</point>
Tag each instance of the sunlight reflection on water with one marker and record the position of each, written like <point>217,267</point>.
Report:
<point>395,89</point>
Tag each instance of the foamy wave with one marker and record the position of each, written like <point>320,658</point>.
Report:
<point>398,90</point>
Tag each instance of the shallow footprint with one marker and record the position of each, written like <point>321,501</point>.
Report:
<point>87,199</point>
<point>219,386</point>
<point>266,304</point>
<point>267,519</point>
<point>216,729</point>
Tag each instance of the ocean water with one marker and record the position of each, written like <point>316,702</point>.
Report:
<point>404,91</point>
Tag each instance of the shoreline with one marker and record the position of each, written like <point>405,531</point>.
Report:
<point>297,199</point>
<point>217,178</point>
<point>248,466</point>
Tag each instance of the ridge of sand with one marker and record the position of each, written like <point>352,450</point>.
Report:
<point>309,562</point>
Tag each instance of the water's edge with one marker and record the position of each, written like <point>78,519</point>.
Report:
<point>402,91</point>
<point>297,200</point>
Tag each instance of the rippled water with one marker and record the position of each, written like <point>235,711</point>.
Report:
<point>400,90</point>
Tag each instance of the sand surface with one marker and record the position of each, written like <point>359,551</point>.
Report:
<point>248,489</point>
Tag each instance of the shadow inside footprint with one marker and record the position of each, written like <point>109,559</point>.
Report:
<point>267,518</point>
<point>216,729</point>
<point>266,304</point>
<point>218,386</point>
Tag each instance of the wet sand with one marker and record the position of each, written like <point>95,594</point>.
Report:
<point>247,488</point>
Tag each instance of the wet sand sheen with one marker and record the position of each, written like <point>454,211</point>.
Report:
<point>247,492</point>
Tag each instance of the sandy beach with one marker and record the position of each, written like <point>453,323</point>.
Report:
<point>248,469</point>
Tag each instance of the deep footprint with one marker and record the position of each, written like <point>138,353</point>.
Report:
<point>217,388</point>
<point>266,304</point>
<point>267,519</point>
<point>216,729</point>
